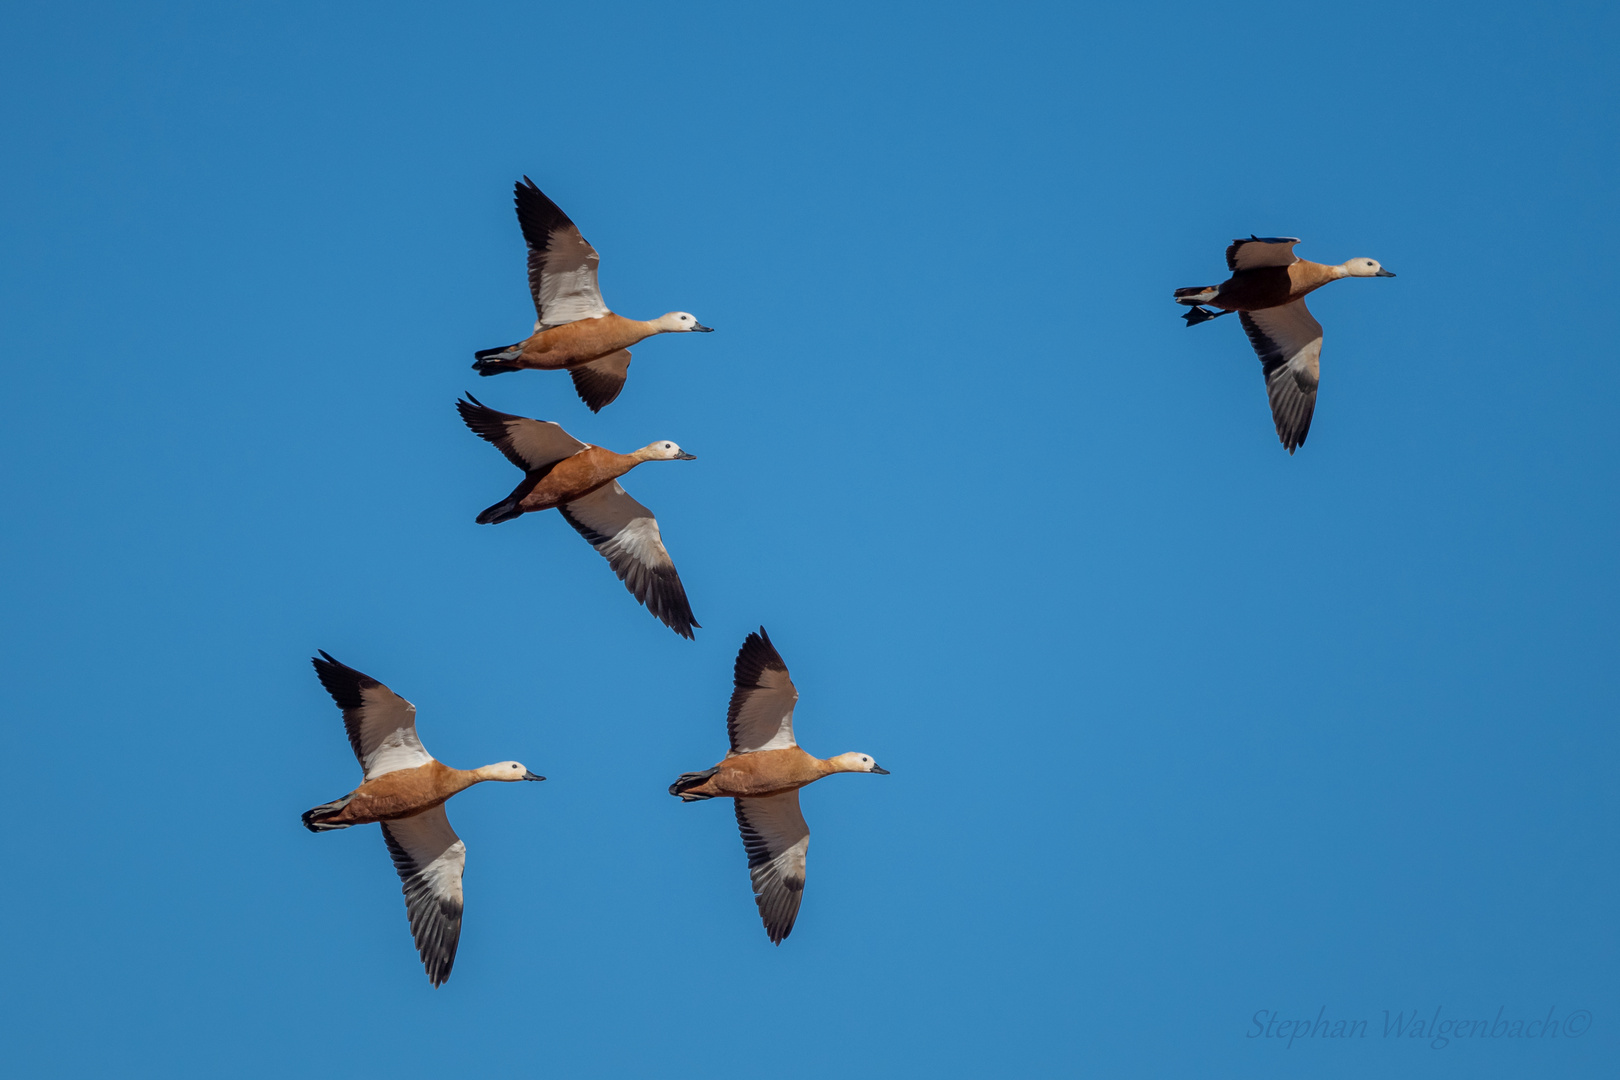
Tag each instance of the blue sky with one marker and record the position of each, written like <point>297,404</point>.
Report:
<point>1181,728</point>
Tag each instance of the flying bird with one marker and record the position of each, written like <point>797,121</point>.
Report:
<point>573,329</point>
<point>1267,289</point>
<point>581,482</point>
<point>405,791</point>
<point>763,773</point>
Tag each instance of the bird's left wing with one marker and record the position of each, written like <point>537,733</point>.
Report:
<point>430,858</point>
<point>776,838</point>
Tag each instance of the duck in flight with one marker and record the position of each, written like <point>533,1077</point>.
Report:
<point>573,329</point>
<point>1267,289</point>
<point>763,773</point>
<point>405,790</point>
<point>581,482</point>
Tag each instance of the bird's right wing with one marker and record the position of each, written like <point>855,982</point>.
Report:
<point>776,838</point>
<point>625,533</point>
<point>760,716</point>
<point>599,382</point>
<point>531,445</point>
<point>562,266</point>
<point>1288,340</point>
<point>380,723</point>
<point>430,858</point>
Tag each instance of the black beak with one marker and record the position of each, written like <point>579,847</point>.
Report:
<point>1383,273</point>
<point>527,775</point>
<point>701,329</point>
<point>684,456</point>
<point>880,770</point>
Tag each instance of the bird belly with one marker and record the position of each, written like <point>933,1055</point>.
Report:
<point>581,342</point>
<point>1255,290</point>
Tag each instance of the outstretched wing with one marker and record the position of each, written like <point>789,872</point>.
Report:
<point>1288,340</point>
<point>562,266</point>
<point>381,724</point>
<point>626,534</point>
<point>776,838</point>
<point>430,857</point>
<point>531,445</point>
<point>1259,251</point>
<point>599,382</point>
<point>760,716</point>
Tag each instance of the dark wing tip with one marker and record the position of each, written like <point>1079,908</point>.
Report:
<point>756,656</point>
<point>668,602</point>
<point>537,215</point>
<point>481,420</point>
<point>596,389</point>
<point>343,682</point>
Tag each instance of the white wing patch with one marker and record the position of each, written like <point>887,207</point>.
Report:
<point>568,288</point>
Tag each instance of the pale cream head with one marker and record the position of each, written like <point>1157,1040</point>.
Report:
<point>508,771</point>
<point>664,451</point>
<point>680,322</point>
<point>857,762</point>
<point>1365,268</point>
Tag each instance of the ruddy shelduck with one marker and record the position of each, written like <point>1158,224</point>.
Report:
<point>1267,289</point>
<point>404,791</point>
<point>573,330</point>
<point>581,482</point>
<point>763,773</point>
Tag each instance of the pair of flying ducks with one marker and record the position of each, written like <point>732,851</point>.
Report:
<point>405,789</point>
<point>575,332</point>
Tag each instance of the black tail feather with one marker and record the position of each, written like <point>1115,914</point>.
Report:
<point>505,510</point>
<point>497,361</point>
<point>689,781</point>
<point>314,820</point>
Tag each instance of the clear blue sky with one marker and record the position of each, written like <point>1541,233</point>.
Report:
<point>1181,728</point>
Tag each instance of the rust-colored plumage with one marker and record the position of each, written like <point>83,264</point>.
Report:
<point>762,775</point>
<point>573,329</point>
<point>580,481</point>
<point>404,792</point>
<point>1267,289</point>
<point>401,793</point>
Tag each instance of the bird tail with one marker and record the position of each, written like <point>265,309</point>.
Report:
<point>1197,294</point>
<point>690,780</point>
<point>315,820</point>
<point>505,510</point>
<point>496,361</point>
